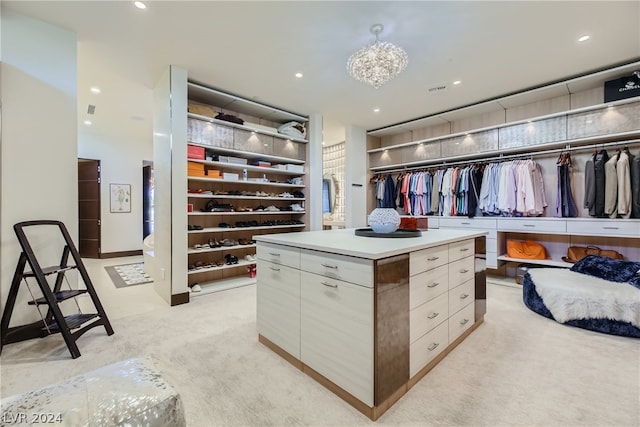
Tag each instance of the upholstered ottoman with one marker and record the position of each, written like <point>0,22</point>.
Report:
<point>128,393</point>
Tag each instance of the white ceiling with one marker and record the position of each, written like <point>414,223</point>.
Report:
<point>253,49</point>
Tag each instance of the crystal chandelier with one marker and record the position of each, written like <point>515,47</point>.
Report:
<point>378,62</point>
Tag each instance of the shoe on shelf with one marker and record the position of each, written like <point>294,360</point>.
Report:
<point>195,288</point>
<point>231,259</point>
<point>271,208</point>
<point>250,258</point>
<point>296,207</point>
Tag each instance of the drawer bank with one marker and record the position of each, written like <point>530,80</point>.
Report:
<point>368,317</point>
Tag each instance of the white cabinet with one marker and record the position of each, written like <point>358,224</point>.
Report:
<point>341,267</point>
<point>612,228</point>
<point>461,296</point>
<point>427,347</point>
<point>426,259</point>
<point>460,322</point>
<point>478,223</point>
<point>428,315</point>
<point>278,254</point>
<point>278,305</point>
<point>427,285</point>
<point>337,332</point>
<point>441,286</point>
<point>359,325</point>
<point>533,225</point>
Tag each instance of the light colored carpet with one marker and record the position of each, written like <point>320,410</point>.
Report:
<point>516,369</point>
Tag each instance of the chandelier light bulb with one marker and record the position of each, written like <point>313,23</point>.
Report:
<point>378,62</point>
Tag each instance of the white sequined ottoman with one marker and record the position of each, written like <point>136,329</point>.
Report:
<point>128,393</point>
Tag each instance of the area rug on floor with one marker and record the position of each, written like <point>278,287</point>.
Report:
<point>128,275</point>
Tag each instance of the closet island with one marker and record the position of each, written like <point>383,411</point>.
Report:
<point>367,317</point>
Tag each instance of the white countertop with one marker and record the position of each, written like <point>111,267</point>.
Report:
<point>345,242</point>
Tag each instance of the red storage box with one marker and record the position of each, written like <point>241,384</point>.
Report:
<point>195,152</point>
<point>413,223</point>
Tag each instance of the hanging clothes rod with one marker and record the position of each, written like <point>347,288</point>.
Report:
<point>511,156</point>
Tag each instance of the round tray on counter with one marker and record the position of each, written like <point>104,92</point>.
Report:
<point>400,232</point>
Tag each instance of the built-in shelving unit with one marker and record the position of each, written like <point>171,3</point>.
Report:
<point>566,116</point>
<point>263,187</point>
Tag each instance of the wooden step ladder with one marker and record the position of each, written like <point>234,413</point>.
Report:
<point>71,327</point>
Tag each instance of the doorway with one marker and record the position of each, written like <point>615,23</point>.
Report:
<point>147,198</point>
<point>89,219</point>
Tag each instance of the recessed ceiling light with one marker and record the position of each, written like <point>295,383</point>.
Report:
<point>376,110</point>
<point>584,38</point>
<point>299,75</point>
<point>95,89</point>
<point>140,5</point>
<point>457,82</point>
<point>87,122</point>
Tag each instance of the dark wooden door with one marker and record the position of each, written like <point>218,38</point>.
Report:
<point>89,208</point>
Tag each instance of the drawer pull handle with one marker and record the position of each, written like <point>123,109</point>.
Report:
<point>331,285</point>
<point>465,223</point>
<point>433,346</point>
<point>464,270</point>
<point>464,321</point>
<point>433,258</point>
<point>433,285</point>
<point>463,296</point>
<point>611,228</point>
<point>464,249</point>
<point>433,315</point>
<point>528,225</point>
<point>274,254</point>
<point>335,267</point>
<point>274,269</point>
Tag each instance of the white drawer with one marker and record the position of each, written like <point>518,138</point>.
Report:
<point>278,308</point>
<point>285,255</point>
<point>434,222</point>
<point>609,228</point>
<point>531,225</point>
<point>427,285</point>
<point>471,223</point>
<point>427,259</point>
<point>460,271</point>
<point>427,316</point>
<point>427,347</point>
<point>461,321</point>
<point>461,249</point>
<point>337,333</point>
<point>341,267</point>
<point>461,296</point>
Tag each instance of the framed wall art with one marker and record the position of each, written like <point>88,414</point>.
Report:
<point>120,198</point>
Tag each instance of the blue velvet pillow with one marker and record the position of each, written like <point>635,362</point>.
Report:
<point>614,270</point>
<point>635,281</point>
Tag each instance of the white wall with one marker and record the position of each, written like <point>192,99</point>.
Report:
<point>121,163</point>
<point>356,178</point>
<point>38,166</point>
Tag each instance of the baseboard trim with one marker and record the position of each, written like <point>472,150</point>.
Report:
<point>120,254</point>
<point>177,299</point>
